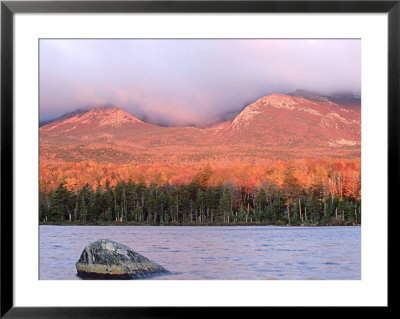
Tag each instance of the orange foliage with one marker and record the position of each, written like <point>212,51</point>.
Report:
<point>341,177</point>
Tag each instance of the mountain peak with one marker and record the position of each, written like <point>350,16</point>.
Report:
<point>105,117</point>
<point>109,115</point>
<point>276,100</point>
<point>286,112</point>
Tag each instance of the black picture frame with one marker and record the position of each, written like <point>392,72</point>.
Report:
<point>9,8</point>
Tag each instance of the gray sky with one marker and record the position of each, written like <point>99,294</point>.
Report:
<point>183,82</point>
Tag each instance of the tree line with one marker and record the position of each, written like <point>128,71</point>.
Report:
<point>198,203</point>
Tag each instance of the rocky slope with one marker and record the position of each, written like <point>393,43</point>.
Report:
<point>275,127</point>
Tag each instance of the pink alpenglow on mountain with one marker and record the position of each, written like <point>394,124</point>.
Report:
<point>275,127</point>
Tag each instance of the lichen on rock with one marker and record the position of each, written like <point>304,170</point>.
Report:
<point>105,259</point>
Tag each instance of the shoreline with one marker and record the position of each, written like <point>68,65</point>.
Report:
<point>201,225</point>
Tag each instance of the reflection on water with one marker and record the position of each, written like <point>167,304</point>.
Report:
<point>195,252</point>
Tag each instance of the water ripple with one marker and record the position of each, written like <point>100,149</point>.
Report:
<point>210,253</point>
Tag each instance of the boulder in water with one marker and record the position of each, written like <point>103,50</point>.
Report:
<point>105,259</point>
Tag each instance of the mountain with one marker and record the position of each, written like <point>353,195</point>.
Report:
<point>95,125</point>
<point>275,127</point>
<point>279,119</point>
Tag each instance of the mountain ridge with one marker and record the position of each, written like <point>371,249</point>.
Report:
<point>344,99</point>
<point>276,126</point>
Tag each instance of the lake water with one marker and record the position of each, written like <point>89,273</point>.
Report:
<point>198,252</point>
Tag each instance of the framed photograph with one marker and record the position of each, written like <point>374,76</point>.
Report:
<point>163,155</point>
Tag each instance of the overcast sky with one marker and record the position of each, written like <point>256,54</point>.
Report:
<point>182,82</point>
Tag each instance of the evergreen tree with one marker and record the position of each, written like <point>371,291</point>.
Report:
<point>62,203</point>
<point>224,206</point>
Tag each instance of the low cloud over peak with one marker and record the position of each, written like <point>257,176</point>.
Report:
<point>189,82</point>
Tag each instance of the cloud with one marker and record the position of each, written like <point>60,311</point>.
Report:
<point>181,82</point>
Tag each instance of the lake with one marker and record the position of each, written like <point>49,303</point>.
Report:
<point>215,252</point>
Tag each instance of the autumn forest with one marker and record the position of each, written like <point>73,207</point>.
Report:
<point>297,192</point>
